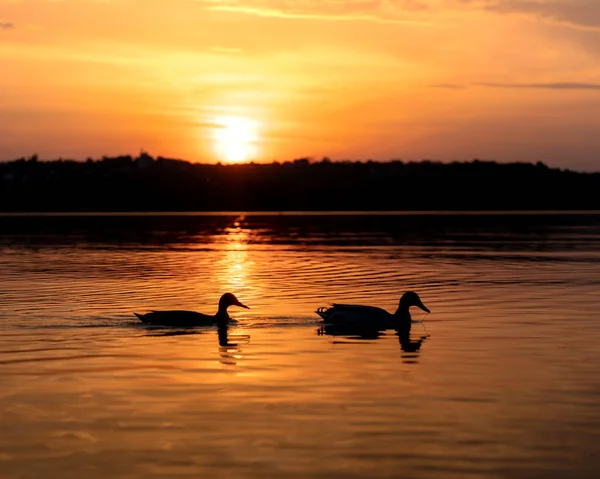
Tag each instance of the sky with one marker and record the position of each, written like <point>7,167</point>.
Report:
<point>274,80</point>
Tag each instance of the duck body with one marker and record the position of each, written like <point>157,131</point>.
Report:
<point>360,316</point>
<point>182,318</point>
<point>355,314</point>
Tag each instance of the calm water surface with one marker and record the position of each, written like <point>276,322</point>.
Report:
<point>507,385</point>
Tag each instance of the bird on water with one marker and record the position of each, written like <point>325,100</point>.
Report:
<point>192,318</point>
<point>372,316</point>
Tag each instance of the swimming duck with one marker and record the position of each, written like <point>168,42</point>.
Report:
<point>192,318</point>
<point>371,316</point>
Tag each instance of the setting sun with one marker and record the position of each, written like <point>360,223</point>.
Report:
<point>236,139</point>
<point>234,81</point>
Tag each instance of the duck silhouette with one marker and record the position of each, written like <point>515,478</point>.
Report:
<point>180,318</point>
<point>371,316</point>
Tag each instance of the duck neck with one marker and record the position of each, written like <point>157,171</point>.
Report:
<point>222,314</point>
<point>402,314</point>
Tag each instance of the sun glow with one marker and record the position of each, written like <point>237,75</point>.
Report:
<point>236,139</point>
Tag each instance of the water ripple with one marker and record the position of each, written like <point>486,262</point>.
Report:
<point>499,381</point>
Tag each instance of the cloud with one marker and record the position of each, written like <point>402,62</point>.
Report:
<point>448,86</point>
<point>541,86</point>
<point>584,14</point>
<point>575,13</point>
<point>384,11</point>
<point>6,26</point>
<point>545,86</point>
<point>227,50</point>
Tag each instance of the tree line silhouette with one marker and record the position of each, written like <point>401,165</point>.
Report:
<point>144,183</point>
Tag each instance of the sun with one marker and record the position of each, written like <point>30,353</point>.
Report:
<point>235,139</point>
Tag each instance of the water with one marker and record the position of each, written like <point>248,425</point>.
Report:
<point>505,386</point>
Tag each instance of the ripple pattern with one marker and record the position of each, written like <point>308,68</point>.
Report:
<point>504,386</point>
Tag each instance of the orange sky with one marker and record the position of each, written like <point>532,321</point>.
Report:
<point>219,80</point>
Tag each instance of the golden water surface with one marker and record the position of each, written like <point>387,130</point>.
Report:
<point>506,385</point>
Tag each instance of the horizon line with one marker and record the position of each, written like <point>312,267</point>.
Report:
<point>302,213</point>
<point>312,160</point>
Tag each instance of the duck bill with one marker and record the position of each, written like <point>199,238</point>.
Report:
<point>241,305</point>
<point>423,307</point>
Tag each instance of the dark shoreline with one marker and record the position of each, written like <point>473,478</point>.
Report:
<point>144,184</point>
<point>147,214</point>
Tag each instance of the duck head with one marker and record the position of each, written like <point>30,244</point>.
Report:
<point>229,299</point>
<point>410,298</point>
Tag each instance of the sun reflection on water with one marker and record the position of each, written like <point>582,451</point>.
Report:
<point>234,268</point>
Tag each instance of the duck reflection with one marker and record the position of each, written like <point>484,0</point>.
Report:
<point>161,331</point>
<point>408,343</point>
<point>230,351</point>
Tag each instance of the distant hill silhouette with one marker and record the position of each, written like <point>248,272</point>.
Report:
<point>144,183</point>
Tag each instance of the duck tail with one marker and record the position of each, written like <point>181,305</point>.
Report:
<point>142,318</point>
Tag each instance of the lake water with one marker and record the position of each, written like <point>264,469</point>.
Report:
<point>506,385</point>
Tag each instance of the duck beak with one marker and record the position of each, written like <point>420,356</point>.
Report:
<point>422,306</point>
<point>241,305</point>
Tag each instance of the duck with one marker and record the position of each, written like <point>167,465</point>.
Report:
<point>359,316</point>
<point>192,318</point>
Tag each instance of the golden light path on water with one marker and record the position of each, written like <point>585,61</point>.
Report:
<point>234,265</point>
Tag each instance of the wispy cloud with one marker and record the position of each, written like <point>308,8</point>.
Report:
<point>6,26</point>
<point>227,50</point>
<point>448,86</point>
<point>540,86</point>
<point>382,11</point>
<point>545,86</point>
<point>575,13</point>
<point>584,14</point>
